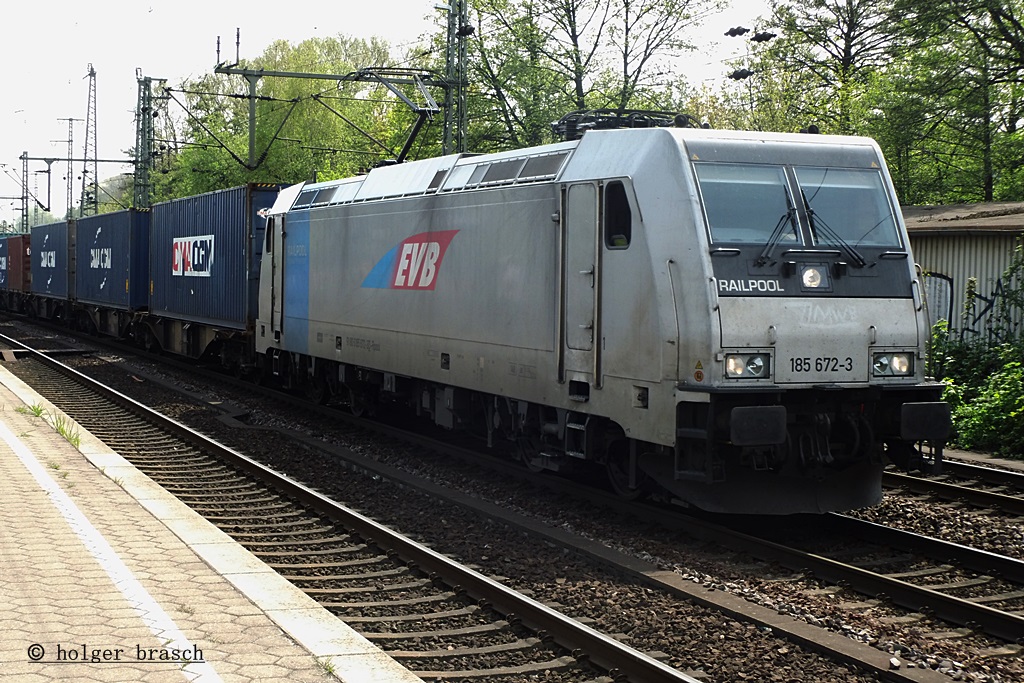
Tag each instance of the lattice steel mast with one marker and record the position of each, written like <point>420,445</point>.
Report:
<point>71,173</point>
<point>90,171</point>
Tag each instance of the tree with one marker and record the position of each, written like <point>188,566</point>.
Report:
<point>840,44</point>
<point>538,60</point>
<point>307,129</point>
<point>643,32</point>
<point>517,91</point>
<point>978,99</point>
<point>996,26</point>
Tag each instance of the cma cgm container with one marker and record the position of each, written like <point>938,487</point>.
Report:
<point>53,268</point>
<point>204,268</point>
<point>112,274</point>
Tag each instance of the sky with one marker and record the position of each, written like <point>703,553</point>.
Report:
<point>51,43</point>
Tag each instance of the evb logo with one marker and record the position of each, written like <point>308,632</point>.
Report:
<point>412,264</point>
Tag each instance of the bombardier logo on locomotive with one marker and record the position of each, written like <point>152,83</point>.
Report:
<point>192,256</point>
<point>412,264</point>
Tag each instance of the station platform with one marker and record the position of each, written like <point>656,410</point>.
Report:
<point>104,576</point>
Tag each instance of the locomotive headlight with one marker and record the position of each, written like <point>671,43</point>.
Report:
<point>811,277</point>
<point>891,364</point>
<point>746,365</point>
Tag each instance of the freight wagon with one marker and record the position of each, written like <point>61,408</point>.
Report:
<point>53,270</point>
<point>112,274</point>
<point>17,271</point>
<point>204,255</point>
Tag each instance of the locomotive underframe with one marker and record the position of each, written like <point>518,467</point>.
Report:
<point>822,448</point>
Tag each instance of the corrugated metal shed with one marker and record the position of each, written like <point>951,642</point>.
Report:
<point>955,243</point>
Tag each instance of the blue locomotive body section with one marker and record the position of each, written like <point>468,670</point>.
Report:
<point>297,282</point>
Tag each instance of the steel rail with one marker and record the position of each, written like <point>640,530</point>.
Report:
<point>598,648</point>
<point>1013,505</point>
<point>989,475</point>
<point>1003,625</point>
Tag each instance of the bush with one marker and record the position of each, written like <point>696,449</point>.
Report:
<point>990,417</point>
<point>984,376</point>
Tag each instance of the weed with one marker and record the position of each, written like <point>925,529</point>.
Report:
<point>327,665</point>
<point>35,410</point>
<point>66,427</point>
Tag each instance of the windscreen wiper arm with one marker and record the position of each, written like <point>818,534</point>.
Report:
<point>820,227</point>
<point>780,229</point>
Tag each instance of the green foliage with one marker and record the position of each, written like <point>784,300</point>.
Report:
<point>67,428</point>
<point>984,376</point>
<point>533,62</point>
<point>990,417</point>
<point>938,83</point>
<point>306,128</point>
<point>36,410</point>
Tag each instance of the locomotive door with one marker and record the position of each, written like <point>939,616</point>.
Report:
<point>277,276</point>
<point>581,269</point>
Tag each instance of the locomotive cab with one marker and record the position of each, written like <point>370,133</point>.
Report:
<point>818,370</point>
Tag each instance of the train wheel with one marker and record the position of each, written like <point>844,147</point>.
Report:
<point>317,390</point>
<point>529,453</point>
<point>617,466</point>
<point>359,403</point>
<point>149,342</point>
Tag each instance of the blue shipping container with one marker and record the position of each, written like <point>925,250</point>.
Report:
<point>113,260</point>
<point>53,260</point>
<point>205,255</point>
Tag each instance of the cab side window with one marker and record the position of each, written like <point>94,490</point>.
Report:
<point>617,216</point>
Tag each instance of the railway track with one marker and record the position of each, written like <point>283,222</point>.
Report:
<point>441,619</point>
<point>964,586</point>
<point>668,582</point>
<point>983,487</point>
<point>961,585</point>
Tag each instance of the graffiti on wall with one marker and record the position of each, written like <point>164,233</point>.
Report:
<point>978,313</point>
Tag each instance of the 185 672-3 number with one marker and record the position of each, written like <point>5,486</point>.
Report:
<point>821,364</point>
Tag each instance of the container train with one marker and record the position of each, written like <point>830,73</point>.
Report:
<point>731,319</point>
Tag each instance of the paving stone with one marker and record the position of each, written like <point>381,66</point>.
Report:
<point>57,594</point>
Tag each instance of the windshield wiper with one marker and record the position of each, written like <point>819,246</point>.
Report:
<point>877,225</point>
<point>820,227</point>
<point>780,229</point>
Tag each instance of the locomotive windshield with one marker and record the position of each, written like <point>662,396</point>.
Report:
<point>753,204</point>
<point>851,203</point>
<point>745,203</point>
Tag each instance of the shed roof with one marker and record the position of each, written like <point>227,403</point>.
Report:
<point>993,217</point>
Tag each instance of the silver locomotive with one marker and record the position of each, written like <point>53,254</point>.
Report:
<point>729,318</point>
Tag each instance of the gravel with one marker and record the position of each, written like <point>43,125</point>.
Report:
<point>692,638</point>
